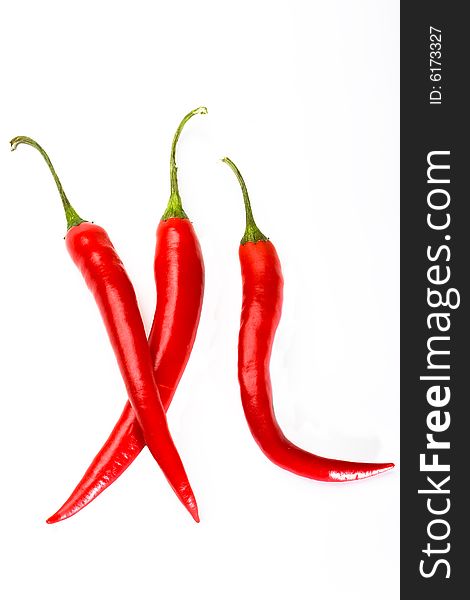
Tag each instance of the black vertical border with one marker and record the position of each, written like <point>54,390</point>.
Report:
<point>425,128</point>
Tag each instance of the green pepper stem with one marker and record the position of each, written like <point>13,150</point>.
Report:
<point>71,215</point>
<point>174,208</point>
<point>252,232</point>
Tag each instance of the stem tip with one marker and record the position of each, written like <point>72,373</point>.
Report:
<point>174,207</point>
<point>71,215</point>
<point>252,231</point>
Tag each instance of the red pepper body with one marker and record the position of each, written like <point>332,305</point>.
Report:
<point>104,273</point>
<point>261,312</point>
<point>179,277</point>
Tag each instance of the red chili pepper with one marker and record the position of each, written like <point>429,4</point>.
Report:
<point>261,311</point>
<point>179,277</point>
<point>93,253</point>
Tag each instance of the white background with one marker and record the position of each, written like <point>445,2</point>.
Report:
<point>303,96</point>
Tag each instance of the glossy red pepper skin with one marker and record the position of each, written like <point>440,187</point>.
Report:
<point>93,253</point>
<point>262,284</point>
<point>179,277</point>
<point>261,311</point>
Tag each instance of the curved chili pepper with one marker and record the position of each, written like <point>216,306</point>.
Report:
<point>179,277</point>
<point>261,311</point>
<point>93,253</point>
